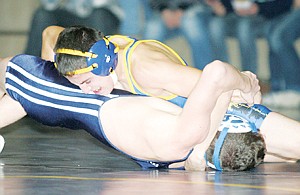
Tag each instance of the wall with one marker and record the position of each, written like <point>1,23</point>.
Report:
<point>15,17</point>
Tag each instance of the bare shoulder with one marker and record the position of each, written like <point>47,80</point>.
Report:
<point>154,50</point>
<point>120,40</point>
<point>152,57</point>
<point>156,67</point>
<point>148,65</point>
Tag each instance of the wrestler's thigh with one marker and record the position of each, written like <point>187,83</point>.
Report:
<point>139,124</point>
<point>3,65</point>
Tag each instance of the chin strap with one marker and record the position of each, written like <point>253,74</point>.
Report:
<point>114,77</point>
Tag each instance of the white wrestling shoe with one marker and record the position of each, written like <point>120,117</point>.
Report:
<point>2,143</point>
<point>282,99</point>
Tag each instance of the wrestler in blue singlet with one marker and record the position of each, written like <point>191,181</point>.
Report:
<point>52,100</point>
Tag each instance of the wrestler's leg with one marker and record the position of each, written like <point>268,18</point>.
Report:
<point>209,102</point>
<point>196,117</point>
<point>161,130</point>
<point>2,92</point>
<point>281,133</point>
<point>196,160</point>
<point>10,110</point>
<point>3,64</point>
<point>146,127</point>
<point>282,137</point>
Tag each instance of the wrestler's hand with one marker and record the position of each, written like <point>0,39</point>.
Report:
<point>251,92</point>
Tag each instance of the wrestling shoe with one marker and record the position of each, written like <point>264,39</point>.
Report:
<point>2,143</point>
<point>282,99</point>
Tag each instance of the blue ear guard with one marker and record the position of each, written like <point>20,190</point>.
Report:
<point>107,58</point>
<point>102,58</point>
<point>230,124</point>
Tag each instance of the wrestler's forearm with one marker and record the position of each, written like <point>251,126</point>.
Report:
<point>50,35</point>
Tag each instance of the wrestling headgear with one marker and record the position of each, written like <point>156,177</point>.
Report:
<point>230,124</point>
<point>101,59</point>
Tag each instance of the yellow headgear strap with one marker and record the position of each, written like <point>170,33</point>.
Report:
<point>82,54</point>
<point>76,53</point>
<point>83,70</point>
<point>80,71</point>
<point>107,43</point>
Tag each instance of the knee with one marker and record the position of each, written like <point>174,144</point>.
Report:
<point>216,71</point>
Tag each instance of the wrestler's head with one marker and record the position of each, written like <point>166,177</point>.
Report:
<point>237,146</point>
<point>240,151</point>
<point>87,59</point>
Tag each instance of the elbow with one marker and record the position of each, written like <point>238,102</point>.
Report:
<point>51,33</point>
<point>49,38</point>
<point>47,32</point>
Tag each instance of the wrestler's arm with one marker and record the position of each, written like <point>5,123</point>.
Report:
<point>153,69</point>
<point>156,69</point>
<point>50,35</point>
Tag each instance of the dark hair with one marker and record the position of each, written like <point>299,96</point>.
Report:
<point>240,151</point>
<point>77,38</point>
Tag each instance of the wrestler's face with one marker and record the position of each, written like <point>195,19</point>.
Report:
<point>91,83</point>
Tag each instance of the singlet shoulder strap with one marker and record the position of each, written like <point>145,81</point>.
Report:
<point>134,86</point>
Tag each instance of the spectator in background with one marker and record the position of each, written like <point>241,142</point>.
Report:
<point>185,17</point>
<point>221,11</point>
<point>104,15</point>
<point>247,19</point>
<point>285,62</point>
<point>136,13</point>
